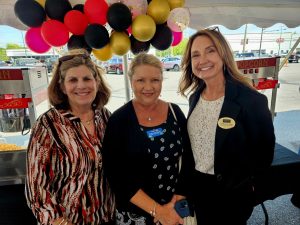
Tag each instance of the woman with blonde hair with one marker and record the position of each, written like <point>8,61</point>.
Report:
<point>143,143</point>
<point>65,182</point>
<point>230,130</point>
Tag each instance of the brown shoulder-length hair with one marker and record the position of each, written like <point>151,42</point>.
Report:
<point>189,82</point>
<point>75,58</point>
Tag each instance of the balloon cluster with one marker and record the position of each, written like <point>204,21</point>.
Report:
<point>103,27</point>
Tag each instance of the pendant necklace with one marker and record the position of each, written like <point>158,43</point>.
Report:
<point>149,118</point>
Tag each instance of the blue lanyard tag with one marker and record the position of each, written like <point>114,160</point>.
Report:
<point>155,132</point>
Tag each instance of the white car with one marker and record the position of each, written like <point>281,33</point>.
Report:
<point>171,63</point>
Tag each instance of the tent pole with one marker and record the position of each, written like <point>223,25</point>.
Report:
<point>126,81</point>
<point>245,39</point>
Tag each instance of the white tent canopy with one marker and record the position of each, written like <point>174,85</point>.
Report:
<point>235,13</point>
<point>230,13</point>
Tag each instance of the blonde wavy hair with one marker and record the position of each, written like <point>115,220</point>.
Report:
<point>144,59</point>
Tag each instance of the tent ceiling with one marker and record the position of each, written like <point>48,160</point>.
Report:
<point>230,13</point>
<point>235,13</point>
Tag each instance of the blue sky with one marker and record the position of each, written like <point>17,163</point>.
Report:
<point>12,35</point>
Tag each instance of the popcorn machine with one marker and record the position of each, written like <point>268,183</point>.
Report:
<point>23,97</point>
<point>264,75</point>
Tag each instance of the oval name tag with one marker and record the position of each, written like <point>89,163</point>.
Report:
<point>226,123</point>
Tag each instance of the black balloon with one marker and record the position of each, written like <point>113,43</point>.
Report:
<point>57,9</point>
<point>78,41</point>
<point>138,46</point>
<point>163,38</point>
<point>119,16</point>
<point>31,13</point>
<point>96,36</point>
<point>79,7</point>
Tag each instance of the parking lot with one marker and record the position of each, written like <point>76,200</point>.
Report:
<point>288,95</point>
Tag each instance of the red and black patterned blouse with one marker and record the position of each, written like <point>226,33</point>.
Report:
<point>64,170</point>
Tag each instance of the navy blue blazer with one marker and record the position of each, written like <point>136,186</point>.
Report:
<point>246,149</point>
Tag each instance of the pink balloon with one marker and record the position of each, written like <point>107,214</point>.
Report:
<point>35,41</point>
<point>177,37</point>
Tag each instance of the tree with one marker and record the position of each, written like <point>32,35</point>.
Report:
<point>13,46</point>
<point>3,55</point>
<point>179,49</point>
<point>172,51</point>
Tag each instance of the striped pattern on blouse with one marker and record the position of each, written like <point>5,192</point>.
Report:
<point>64,170</point>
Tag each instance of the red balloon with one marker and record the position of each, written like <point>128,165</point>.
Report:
<point>177,37</point>
<point>35,41</point>
<point>55,33</point>
<point>96,11</point>
<point>129,30</point>
<point>76,22</point>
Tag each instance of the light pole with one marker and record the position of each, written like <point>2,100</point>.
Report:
<point>280,40</point>
<point>24,44</point>
<point>292,33</point>
<point>245,39</point>
<point>261,36</point>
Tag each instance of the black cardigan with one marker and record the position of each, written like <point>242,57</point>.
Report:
<point>126,162</point>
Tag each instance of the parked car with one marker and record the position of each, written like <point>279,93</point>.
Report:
<point>244,55</point>
<point>171,63</point>
<point>2,63</point>
<point>50,62</point>
<point>26,61</point>
<point>293,58</point>
<point>114,65</point>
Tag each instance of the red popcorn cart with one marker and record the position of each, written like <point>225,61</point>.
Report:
<point>264,75</point>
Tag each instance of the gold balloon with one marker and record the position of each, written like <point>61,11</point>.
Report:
<point>159,10</point>
<point>143,28</point>
<point>176,3</point>
<point>103,54</point>
<point>119,43</point>
<point>41,2</point>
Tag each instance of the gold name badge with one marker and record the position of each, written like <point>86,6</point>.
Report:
<point>226,123</point>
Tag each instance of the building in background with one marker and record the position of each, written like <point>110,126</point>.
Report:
<point>268,43</point>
